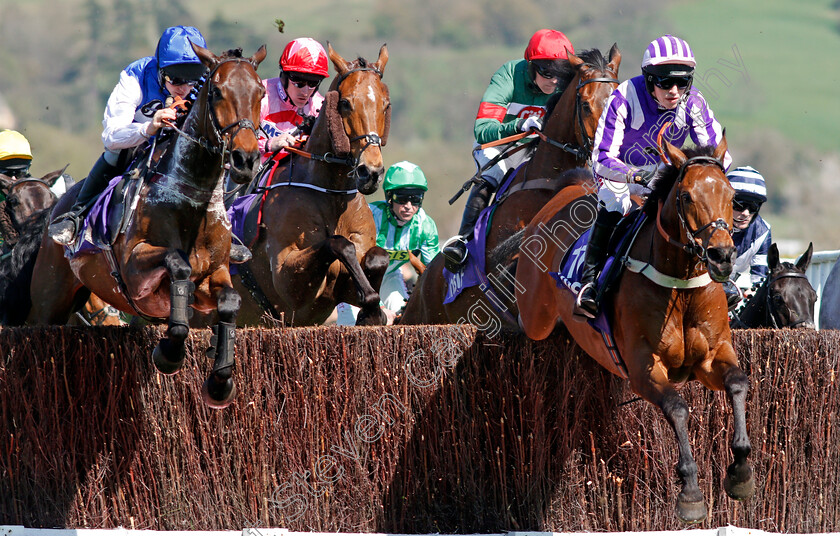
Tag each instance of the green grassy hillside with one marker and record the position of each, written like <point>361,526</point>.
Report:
<point>768,68</point>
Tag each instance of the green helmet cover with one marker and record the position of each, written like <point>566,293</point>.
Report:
<point>405,175</point>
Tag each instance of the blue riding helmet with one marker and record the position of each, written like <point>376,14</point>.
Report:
<point>748,183</point>
<point>175,56</point>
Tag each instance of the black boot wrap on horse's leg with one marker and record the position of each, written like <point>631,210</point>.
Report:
<point>225,343</point>
<point>64,228</point>
<point>455,250</point>
<point>596,254</point>
<point>181,297</point>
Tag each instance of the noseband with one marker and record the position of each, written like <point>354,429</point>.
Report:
<point>693,248</point>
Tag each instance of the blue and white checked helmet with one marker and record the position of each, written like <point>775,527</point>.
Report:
<point>668,49</point>
<point>748,184</point>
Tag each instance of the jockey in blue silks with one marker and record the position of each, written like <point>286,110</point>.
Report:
<point>137,109</point>
<point>624,145</point>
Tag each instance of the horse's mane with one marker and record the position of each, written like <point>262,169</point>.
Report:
<point>591,58</point>
<point>664,180</point>
<point>231,53</point>
<point>16,272</point>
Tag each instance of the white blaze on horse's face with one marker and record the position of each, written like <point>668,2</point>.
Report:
<point>371,94</point>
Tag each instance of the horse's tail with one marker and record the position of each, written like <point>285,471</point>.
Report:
<point>505,253</point>
<point>16,272</point>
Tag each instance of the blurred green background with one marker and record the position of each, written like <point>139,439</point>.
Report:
<point>769,69</point>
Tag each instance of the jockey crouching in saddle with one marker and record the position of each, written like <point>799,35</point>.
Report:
<point>402,228</point>
<point>137,109</point>
<point>514,102</point>
<point>623,149</point>
<point>292,102</point>
<point>752,233</point>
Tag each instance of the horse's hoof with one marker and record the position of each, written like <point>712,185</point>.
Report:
<point>163,362</point>
<point>218,395</point>
<point>739,482</point>
<point>691,512</point>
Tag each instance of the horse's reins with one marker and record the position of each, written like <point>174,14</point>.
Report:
<point>692,247</point>
<point>219,147</point>
<point>372,139</point>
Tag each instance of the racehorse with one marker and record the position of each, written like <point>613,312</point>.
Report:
<point>564,147</point>
<point>175,251</point>
<point>784,299</point>
<point>317,245</point>
<point>682,331</point>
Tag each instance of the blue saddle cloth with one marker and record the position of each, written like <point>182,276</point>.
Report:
<point>97,226</point>
<point>568,275</point>
<point>473,271</point>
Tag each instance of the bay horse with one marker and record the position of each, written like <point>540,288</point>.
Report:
<point>175,251</point>
<point>681,332</point>
<point>558,161</point>
<point>317,245</point>
<point>784,299</point>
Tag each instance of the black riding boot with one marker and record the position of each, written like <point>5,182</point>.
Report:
<point>596,254</point>
<point>64,228</point>
<point>455,249</point>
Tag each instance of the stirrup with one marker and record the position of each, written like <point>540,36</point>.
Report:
<point>63,230</point>
<point>455,253</point>
<point>589,307</point>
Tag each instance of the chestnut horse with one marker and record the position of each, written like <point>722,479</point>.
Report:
<point>682,332</point>
<point>565,142</point>
<point>785,299</point>
<point>317,246</point>
<point>175,251</point>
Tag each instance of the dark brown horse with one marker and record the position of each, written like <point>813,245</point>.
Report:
<point>785,299</point>
<point>565,143</point>
<point>318,245</point>
<point>175,251</point>
<point>682,331</point>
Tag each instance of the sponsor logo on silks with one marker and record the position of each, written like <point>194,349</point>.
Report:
<point>455,283</point>
<point>570,271</point>
<point>398,255</point>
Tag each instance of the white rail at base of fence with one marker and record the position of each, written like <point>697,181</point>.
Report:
<point>16,530</point>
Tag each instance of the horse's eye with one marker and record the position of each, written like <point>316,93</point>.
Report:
<point>216,94</point>
<point>685,198</point>
<point>344,107</point>
<point>778,301</point>
<point>586,108</point>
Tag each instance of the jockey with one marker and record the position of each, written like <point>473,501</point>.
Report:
<point>136,111</point>
<point>402,227</point>
<point>623,150</point>
<point>15,154</point>
<point>752,233</point>
<point>515,101</point>
<point>291,100</point>
<point>16,158</point>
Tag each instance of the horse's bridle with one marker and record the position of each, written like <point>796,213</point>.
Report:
<point>581,153</point>
<point>693,247</point>
<point>219,145</point>
<point>771,310</point>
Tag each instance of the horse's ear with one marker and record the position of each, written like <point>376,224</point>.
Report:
<point>5,182</point>
<point>615,59</point>
<point>675,156</point>
<point>340,64</point>
<point>382,60</point>
<point>720,150</point>
<point>773,257</point>
<point>207,58</point>
<point>258,56</point>
<point>51,177</point>
<point>573,60</point>
<point>805,260</point>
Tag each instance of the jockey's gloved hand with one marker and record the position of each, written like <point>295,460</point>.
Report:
<point>639,176</point>
<point>529,123</point>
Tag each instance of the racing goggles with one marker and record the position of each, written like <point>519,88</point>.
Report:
<point>667,82</point>
<point>546,72</point>
<point>301,83</point>
<point>741,206</point>
<point>179,81</point>
<point>404,199</point>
